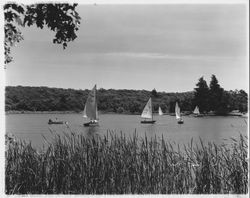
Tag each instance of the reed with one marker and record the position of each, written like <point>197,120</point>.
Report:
<point>116,164</point>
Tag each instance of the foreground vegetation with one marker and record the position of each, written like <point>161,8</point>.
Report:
<point>115,164</point>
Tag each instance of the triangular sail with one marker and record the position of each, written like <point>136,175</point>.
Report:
<point>90,109</point>
<point>196,110</point>
<point>160,111</point>
<point>177,111</point>
<point>147,111</point>
<point>84,112</point>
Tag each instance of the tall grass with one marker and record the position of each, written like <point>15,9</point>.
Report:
<point>115,164</point>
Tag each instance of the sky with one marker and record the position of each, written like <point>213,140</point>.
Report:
<point>167,47</point>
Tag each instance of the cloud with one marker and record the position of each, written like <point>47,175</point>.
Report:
<point>172,56</point>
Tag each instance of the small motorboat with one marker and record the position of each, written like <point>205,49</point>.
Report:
<point>55,122</point>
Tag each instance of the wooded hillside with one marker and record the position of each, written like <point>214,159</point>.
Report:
<point>22,98</point>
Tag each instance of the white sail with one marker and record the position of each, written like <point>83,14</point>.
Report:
<point>196,110</point>
<point>85,115</point>
<point>160,111</point>
<point>84,112</point>
<point>177,111</point>
<point>147,111</point>
<point>90,109</point>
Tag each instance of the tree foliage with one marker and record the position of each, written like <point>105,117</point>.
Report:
<point>119,101</point>
<point>125,101</point>
<point>215,94</point>
<point>154,93</point>
<point>216,99</point>
<point>60,18</point>
<point>201,95</point>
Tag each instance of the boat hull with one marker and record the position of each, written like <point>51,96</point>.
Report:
<point>148,121</point>
<point>89,124</point>
<point>180,122</point>
<point>55,122</point>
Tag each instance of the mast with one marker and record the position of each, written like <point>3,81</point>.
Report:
<point>151,109</point>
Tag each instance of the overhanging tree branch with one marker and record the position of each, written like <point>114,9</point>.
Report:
<point>60,18</point>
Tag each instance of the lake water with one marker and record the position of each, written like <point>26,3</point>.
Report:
<point>217,128</point>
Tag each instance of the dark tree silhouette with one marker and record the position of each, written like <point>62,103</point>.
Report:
<point>215,94</point>
<point>224,106</point>
<point>60,18</point>
<point>201,95</point>
<point>154,93</point>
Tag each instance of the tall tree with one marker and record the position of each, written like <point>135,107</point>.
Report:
<point>224,107</point>
<point>60,18</point>
<point>215,95</point>
<point>154,93</point>
<point>201,95</point>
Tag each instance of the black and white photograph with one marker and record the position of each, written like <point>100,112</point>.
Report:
<point>125,98</point>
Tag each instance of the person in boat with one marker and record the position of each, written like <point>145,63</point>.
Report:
<point>93,121</point>
<point>50,120</point>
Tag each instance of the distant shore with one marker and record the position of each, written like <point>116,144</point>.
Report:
<point>62,112</point>
<point>103,112</point>
<point>41,112</point>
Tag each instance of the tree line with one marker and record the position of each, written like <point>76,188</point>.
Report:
<point>24,98</point>
<point>213,98</point>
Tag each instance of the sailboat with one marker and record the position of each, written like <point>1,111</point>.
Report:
<point>160,111</point>
<point>197,112</point>
<point>147,113</point>
<point>55,121</point>
<point>90,109</point>
<point>178,114</point>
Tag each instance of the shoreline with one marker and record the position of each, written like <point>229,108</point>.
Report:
<point>41,112</point>
<point>62,112</point>
<point>103,112</point>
